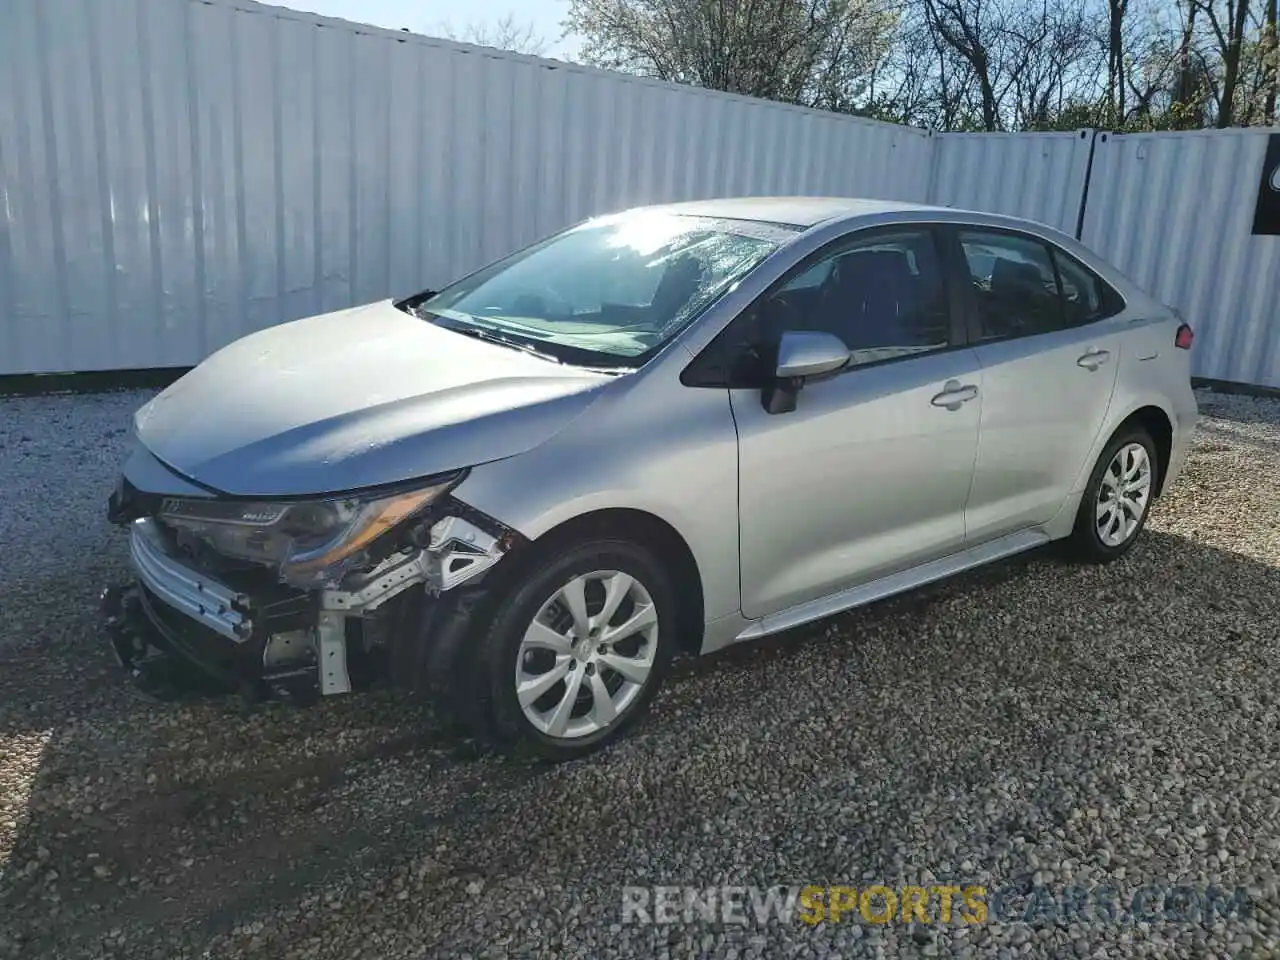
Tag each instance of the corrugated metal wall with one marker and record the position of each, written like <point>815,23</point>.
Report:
<point>177,173</point>
<point>1039,176</point>
<point>1174,211</point>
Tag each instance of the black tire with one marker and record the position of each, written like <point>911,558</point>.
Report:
<point>501,718</point>
<point>1086,544</point>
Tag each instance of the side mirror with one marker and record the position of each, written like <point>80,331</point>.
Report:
<point>803,355</point>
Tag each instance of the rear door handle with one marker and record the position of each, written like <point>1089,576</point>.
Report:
<point>1093,359</point>
<point>953,395</point>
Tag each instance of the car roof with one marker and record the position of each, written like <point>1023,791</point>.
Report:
<point>804,213</point>
<point>796,211</point>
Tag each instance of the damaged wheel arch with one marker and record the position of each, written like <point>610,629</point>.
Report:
<point>656,534</point>
<point>432,654</point>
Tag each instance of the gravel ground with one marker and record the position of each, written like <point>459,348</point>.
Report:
<point>1034,723</point>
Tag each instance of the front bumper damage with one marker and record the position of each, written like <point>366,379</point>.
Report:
<point>186,624</point>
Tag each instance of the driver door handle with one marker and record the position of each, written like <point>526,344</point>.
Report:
<point>954,394</point>
<point>1093,359</point>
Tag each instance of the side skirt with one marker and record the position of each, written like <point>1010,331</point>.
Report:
<point>899,582</point>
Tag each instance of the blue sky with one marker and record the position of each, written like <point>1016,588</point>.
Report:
<point>426,16</point>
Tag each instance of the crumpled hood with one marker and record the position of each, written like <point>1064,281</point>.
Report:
<point>354,399</point>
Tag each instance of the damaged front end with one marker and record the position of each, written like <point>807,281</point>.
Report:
<point>296,599</point>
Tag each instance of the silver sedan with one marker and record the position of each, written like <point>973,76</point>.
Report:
<point>666,430</point>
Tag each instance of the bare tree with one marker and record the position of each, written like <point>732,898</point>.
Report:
<point>1116,10</point>
<point>1020,63</point>
<point>506,33</point>
<point>1187,57</point>
<point>961,64</point>
<point>1166,86</point>
<point>966,29</point>
<point>1054,61</point>
<point>1227,20</point>
<point>813,52</point>
<point>908,84</point>
<point>1271,59</point>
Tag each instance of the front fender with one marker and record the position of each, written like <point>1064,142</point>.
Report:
<point>672,455</point>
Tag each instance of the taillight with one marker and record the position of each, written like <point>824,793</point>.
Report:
<point>1184,337</point>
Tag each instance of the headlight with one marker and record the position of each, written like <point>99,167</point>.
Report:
<point>312,542</point>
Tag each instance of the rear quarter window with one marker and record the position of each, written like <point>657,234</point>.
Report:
<point>1086,297</point>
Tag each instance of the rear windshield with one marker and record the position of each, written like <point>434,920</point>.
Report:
<point>612,291</point>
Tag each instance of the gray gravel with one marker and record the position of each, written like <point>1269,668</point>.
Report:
<point>1035,723</point>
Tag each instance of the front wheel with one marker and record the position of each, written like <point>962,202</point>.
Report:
<point>578,648</point>
<point>1117,498</point>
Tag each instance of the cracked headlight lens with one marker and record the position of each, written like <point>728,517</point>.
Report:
<point>312,542</point>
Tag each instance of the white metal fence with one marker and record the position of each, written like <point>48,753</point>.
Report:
<point>175,174</point>
<point>178,173</point>
<point>1040,176</point>
<point>1174,211</point>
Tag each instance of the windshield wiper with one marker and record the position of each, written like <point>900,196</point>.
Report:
<point>492,336</point>
<point>410,305</point>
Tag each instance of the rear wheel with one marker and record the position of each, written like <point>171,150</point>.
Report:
<point>577,649</point>
<point>1117,499</point>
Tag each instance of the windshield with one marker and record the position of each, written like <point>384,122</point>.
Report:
<point>610,292</point>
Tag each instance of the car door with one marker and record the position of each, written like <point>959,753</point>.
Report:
<point>1049,362</point>
<point>870,472</point>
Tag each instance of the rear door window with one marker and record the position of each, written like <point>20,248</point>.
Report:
<point>1015,286</point>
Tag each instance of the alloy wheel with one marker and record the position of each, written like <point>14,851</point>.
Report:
<point>1123,494</point>
<point>587,654</point>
